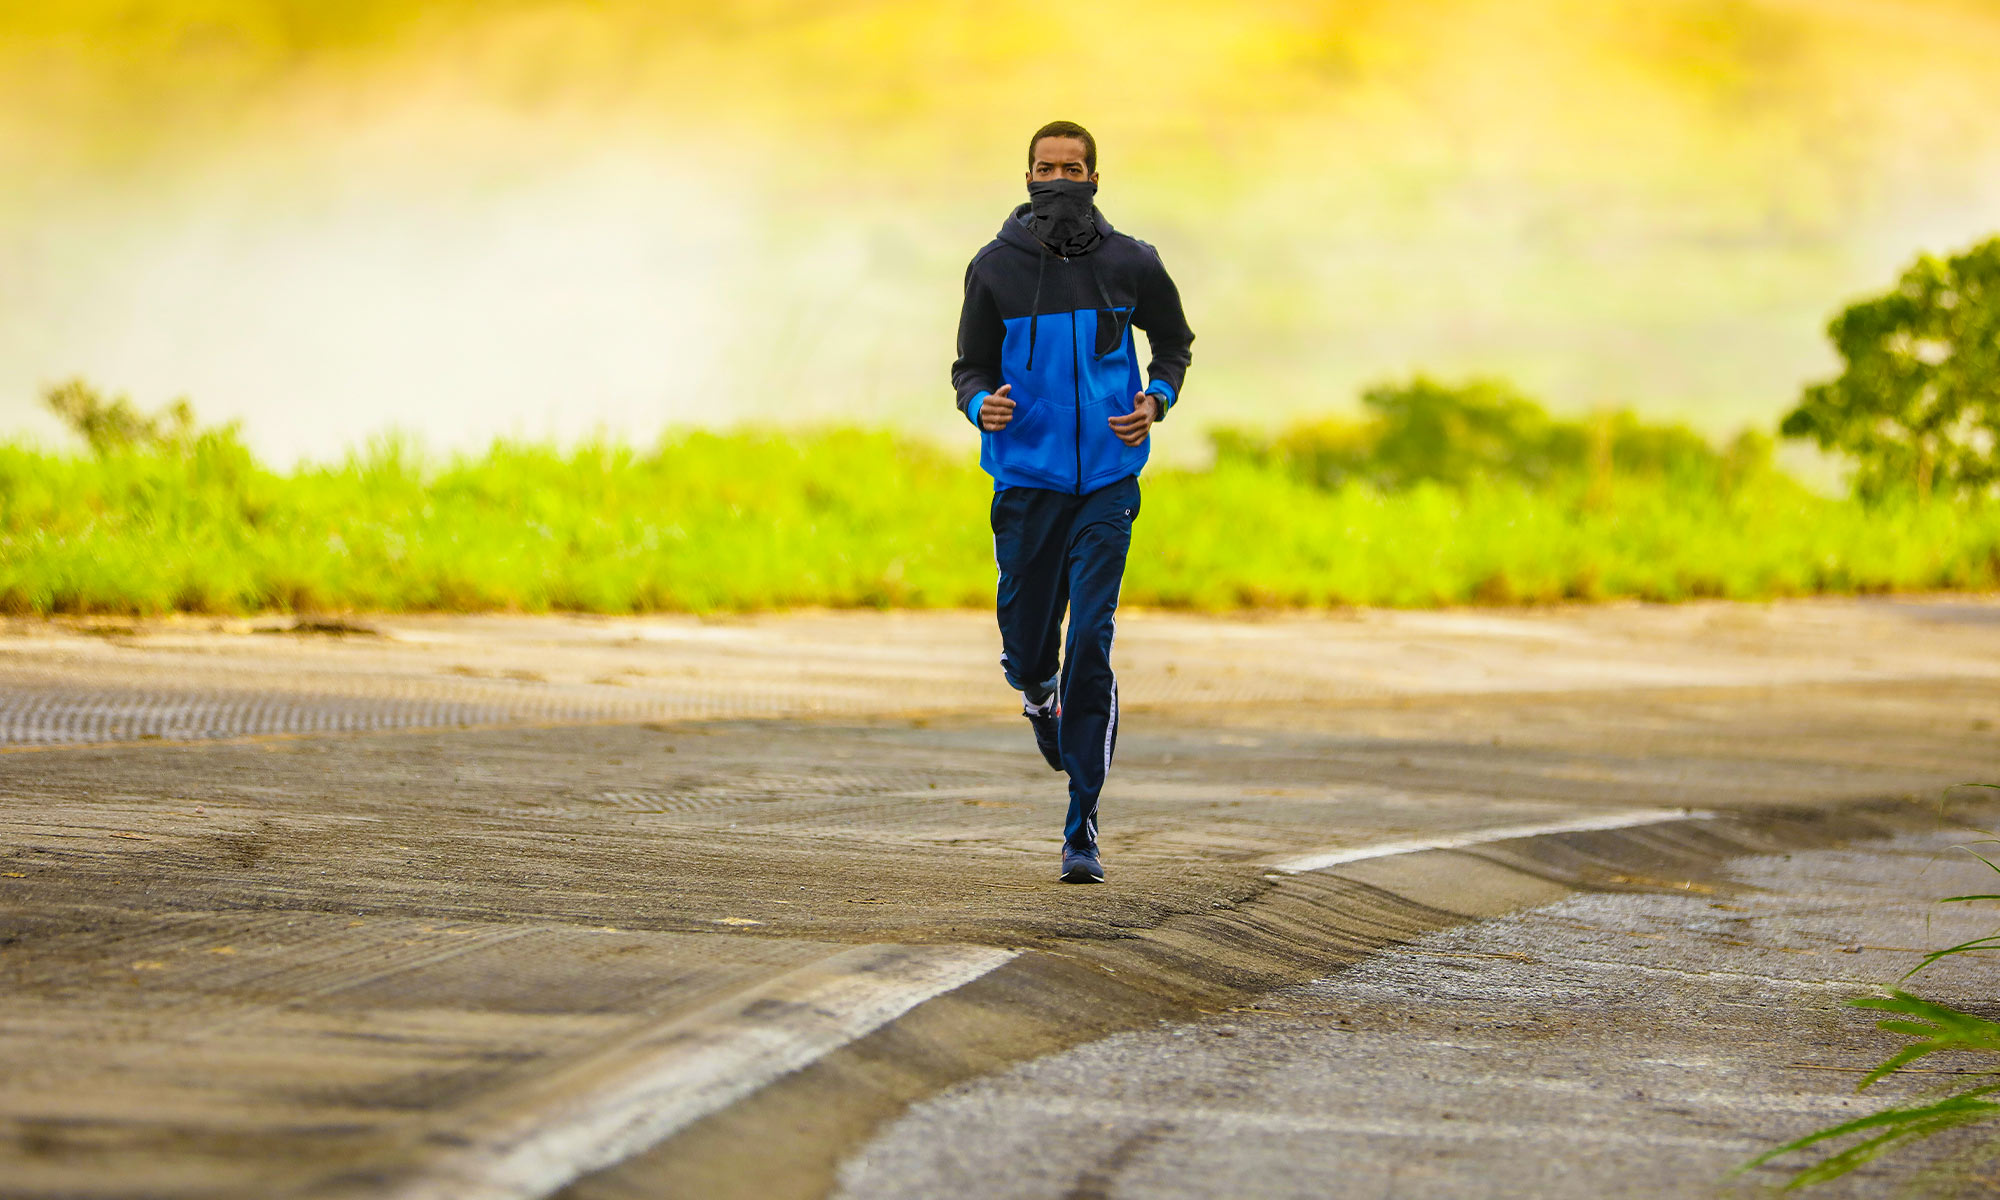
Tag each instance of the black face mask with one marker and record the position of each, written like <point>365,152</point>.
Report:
<point>1061,215</point>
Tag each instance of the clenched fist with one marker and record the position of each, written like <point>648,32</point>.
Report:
<point>1133,426</point>
<point>997,409</point>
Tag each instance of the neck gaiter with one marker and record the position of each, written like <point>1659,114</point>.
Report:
<point>1060,215</point>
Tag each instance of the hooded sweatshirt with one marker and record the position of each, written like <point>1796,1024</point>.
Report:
<point>1059,331</point>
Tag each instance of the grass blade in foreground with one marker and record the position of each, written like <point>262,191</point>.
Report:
<point>1897,1124</point>
<point>1936,1028</point>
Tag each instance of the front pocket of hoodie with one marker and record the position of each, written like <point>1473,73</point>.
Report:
<point>1029,442</point>
<point>1112,326</point>
<point>1105,458</point>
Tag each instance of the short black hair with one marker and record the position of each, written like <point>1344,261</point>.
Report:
<point>1066,129</point>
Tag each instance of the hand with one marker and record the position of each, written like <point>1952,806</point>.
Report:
<point>1133,426</point>
<point>997,409</point>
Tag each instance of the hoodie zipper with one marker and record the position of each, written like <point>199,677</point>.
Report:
<point>1076,387</point>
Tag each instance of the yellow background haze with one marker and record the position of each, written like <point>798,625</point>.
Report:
<point>549,218</point>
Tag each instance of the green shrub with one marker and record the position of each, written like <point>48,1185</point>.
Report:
<point>842,517</point>
<point>164,517</point>
<point>110,426</point>
<point>1424,431</point>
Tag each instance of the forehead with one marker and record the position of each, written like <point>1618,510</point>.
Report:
<point>1060,150</point>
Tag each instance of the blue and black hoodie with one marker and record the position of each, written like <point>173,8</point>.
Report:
<point>1059,330</point>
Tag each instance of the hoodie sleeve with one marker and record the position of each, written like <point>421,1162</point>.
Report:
<point>1167,334</point>
<point>980,335</point>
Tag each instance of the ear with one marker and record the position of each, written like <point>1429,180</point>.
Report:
<point>1093,177</point>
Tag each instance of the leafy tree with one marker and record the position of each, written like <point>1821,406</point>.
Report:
<point>1918,406</point>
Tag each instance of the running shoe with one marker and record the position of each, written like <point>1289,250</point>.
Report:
<point>1046,718</point>
<point>1081,866</point>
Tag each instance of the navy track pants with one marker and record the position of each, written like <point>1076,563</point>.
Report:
<point>1058,551</point>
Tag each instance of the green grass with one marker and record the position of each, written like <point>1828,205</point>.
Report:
<point>760,520</point>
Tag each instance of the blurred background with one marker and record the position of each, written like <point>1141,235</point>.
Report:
<point>548,218</point>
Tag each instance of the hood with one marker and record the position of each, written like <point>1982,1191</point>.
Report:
<point>1014,230</point>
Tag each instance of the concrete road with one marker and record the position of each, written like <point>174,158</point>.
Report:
<point>1605,1046</point>
<point>497,907</point>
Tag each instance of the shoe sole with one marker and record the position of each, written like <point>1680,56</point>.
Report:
<point>1081,877</point>
<point>1051,757</point>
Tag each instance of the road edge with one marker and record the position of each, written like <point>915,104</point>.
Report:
<point>789,1138</point>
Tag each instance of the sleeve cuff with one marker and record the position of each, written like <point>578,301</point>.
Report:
<point>972,407</point>
<point>1165,391</point>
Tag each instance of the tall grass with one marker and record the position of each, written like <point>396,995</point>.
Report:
<point>843,517</point>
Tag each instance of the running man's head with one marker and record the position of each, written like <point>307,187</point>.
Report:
<point>1062,150</point>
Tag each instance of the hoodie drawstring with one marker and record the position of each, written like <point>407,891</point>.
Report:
<point>1120,321</point>
<point>1035,309</point>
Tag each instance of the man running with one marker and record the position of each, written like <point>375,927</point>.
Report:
<point>1048,371</point>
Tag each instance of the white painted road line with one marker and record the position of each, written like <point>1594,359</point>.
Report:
<point>636,1094</point>
<point>1623,819</point>
<point>594,1113</point>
